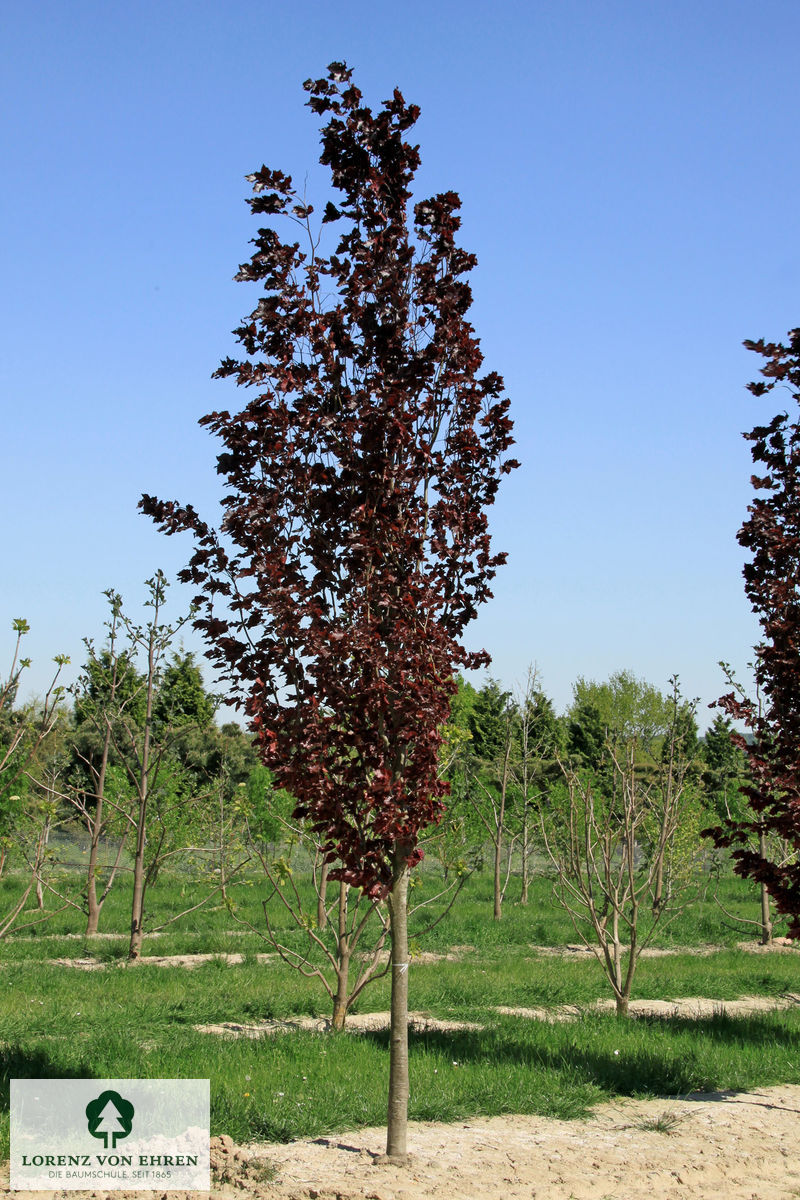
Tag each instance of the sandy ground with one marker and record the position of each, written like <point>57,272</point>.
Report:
<point>159,960</point>
<point>689,1008</point>
<point>736,1146</point>
<point>356,1022</point>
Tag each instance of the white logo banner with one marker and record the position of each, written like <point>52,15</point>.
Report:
<point>93,1134</point>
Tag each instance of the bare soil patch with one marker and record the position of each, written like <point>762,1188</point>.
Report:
<point>160,960</point>
<point>574,950</point>
<point>740,1145</point>
<point>356,1023</point>
<point>690,1008</point>
<point>196,960</point>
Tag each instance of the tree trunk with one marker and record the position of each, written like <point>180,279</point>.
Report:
<point>139,880</point>
<point>501,820</point>
<point>39,885</point>
<point>525,852</point>
<point>498,890</point>
<point>622,1006</point>
<point>658,891</point>
<point>397,1123</point>
<point>342,959</point>
<point>340,999</point>
<point>766,915</point>
<point>137,905</point>
<point>92,905</point>
<point>322,918</point>
<point>223,857</point>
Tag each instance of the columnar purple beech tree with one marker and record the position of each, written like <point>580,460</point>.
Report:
<point>354,546</point>
<point>772,583</point>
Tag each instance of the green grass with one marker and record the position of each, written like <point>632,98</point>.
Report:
<point>138,1024</point>
<point>138,1021</point>
<point>212,928</point>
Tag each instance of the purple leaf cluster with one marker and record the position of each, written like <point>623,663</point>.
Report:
<point>354,547</point>
<point>772,583</point>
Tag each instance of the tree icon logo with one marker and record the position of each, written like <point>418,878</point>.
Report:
<point>109,1116</point>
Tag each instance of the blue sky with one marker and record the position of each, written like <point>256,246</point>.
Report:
<point>629,176</point>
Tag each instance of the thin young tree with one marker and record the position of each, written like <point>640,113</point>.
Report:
<point>535,766</point>
<point>138,718</point>
<point>725,777</point>
<point>772,585</point>
<point>351,934</point>
<point>494,729</point>
<point>354,546</point>
<point>623,839</point>
<point>26,812</point>
<point>108,695</point>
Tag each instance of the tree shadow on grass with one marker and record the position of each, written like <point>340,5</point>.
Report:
<point>678,1059</point>
<point>757,1029</point>
<point>16,1062</point>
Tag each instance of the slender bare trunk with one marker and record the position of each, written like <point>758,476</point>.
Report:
<point>92,904</point>
<point>139,884</point>
<point>342,960</point>
<point>525,851</point>
<point>223,857</point>
<point>322,917</point>
<point>498,851</point>
<point>766,917</point>
<point>139,879</point>
<point>397,1123</point>
<point>501,819</point>
<point>39,884</point>
<point>658,890</point>
<point>766,914</point>
<point>92,907</point>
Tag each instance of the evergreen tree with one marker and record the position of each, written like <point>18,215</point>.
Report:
<point>182,698</point>
<point>725,768</point>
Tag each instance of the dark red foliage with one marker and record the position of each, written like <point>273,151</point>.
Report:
<point>772,584</point>
<point>354,547</point>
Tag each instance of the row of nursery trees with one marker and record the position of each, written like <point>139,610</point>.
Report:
<point>131,767</point>
<point>128,767</point>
